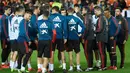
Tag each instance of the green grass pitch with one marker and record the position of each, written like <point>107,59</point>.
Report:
<point>83,62</point>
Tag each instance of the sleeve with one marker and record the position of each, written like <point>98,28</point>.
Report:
<point>33,21</point>
<point>54,33</point>
<point>81,26</point>
<point>100,24</point>
<point>25,30</point>
<point>126,29</point>
<point>4,23</point>
<point>34,24</point>
<point>114,21</point>
<point>65,28</point>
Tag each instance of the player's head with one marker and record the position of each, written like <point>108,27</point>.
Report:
<point>85,10</point>
<point>118,11</point>
<point>63,12</point>
<point>98,10</point>
<point>70,11</point>
<point>76,8</point>
<point>20,10</point>
<point>55,9</point>
<point>107,12</point>
<point>46,14</point>
<point>7,10</point>
<point>36,10</point>
<point>27,15</point>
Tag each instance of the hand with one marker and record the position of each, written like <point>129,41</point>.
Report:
<point>65,40</point>
<point>124,42</point>
<point>53,41</point>
<point>8,39</point>
<point>83,40</point>
<point>29,43</point>
<point>6,46</point>
<point>79,35</point>
<point>111,38</point>
<point>36,41</point>
<point>120,22</point>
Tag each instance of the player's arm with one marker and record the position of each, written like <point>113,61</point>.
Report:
<point>34,24</point>
<point>126,29</point>
<point>65,29</point>
<point>82,27</point>
<point>54,33</point>
<point>25,31</point>
<point>115,23</point>
<point>100,24</point>
<point>4,26</point>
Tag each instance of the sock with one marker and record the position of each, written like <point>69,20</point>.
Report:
<point>51,67</point>
<point>64,65</point>
<point>98,63</point>
<point>16,64</point>
<point>71,67</point>
<point>43,70</point>
<point>12,65</point>
<point>39,66</point>
<point>60,61</point>
<point>78,66</point>
<point>29,65</point>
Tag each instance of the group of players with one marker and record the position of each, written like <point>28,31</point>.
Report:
<point>22,32</point>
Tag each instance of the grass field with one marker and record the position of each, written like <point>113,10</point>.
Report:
<point>83,63</point>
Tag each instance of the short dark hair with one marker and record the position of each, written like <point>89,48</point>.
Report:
<point>87,9</point>
<point>70,10</point>
<point>119,9</point>
<point>46,13</point>
<point>57,0</point>
<point>28,11</point>
<point>98,8</point>
<point>35,7</point>
<point>76,5</point>
<point>55,8</point>
<point>62,9</point>
<point>107,9</point>
<point>20,8</point>
<point>6,7</point>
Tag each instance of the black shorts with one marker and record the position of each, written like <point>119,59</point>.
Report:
<point>14,45</point>
<point>59,44</point>
<point>23,47</point>
<point>44,49</point>
<point>33,45</point>
<point>5,44</point>
<point>73,44</point>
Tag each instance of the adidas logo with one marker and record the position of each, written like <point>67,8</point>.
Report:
<point>43,25</point>
<point>72,21</point>
<point>57,19</point>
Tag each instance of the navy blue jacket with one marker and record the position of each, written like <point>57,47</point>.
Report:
<point>60,25</point>
<point>23,31</point>
<point>112,27</point>
<point>4,26</point>
<point>45,28</point>
<point>32,30</point>
<point>73,24</point>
